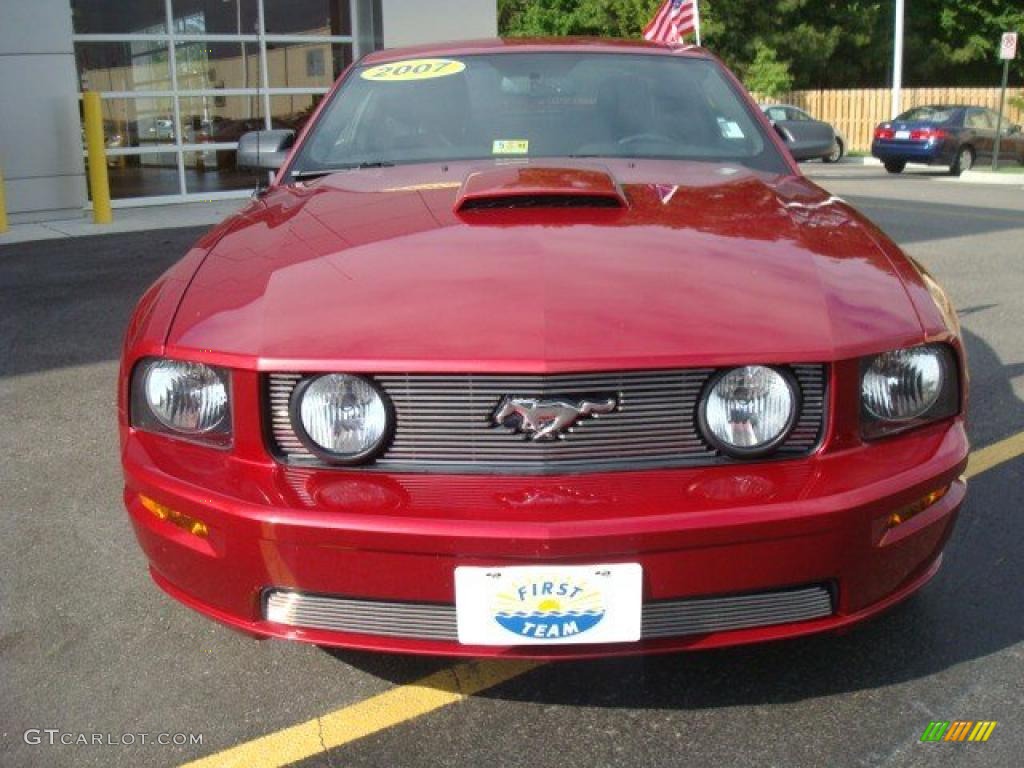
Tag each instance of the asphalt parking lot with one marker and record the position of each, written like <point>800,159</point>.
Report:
<point>88,645</point>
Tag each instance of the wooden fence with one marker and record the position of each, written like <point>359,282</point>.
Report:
<point>855,113</point>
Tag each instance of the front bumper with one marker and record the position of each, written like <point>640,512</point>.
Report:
<point>712,531</point>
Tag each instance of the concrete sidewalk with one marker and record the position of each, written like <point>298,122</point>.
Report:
<point>976,176</point>
<point>171,216</point>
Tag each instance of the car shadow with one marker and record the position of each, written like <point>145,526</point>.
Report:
<point>901,219</point>
<point>970,610</point>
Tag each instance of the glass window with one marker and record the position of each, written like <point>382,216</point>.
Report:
<point>215,17</point>
<point>776,114</point>
<point>219,118</point>
<point>146,175</point>
<point>307,17</point>
<point>205,66</point>
<point>978,120</point>
<point>215,170</point>
<point>993,118</point>
<point>137,122</point>
<point>292,111</point>
<point>103,17</point>
<point>928,114</point>
<point>197,116</point>
<point>540,105</point>
<point>315,65</point>
<point>306,65</point>
<point>129,66</point>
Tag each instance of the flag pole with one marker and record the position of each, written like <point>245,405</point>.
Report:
<point>696,18</point>
<point>897,60</point>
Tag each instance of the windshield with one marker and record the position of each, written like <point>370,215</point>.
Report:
<point>513,105</point>
<point>928,114</point>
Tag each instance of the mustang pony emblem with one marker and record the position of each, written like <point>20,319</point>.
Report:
<point>542,419</point>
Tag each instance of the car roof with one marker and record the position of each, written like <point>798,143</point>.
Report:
<point>945,106</point>
<point>533,45</point>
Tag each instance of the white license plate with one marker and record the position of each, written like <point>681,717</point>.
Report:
<point>549,605</point>
<point>902,134</point>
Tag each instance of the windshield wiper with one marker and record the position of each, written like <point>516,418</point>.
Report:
<point>316,174</point>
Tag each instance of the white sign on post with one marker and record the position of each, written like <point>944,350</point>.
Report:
<point>1008,46</point>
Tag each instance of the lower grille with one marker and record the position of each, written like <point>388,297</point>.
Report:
<point>444,422</point>
<point>435,621</point>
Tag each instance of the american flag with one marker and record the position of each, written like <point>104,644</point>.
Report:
<point>674,19</point>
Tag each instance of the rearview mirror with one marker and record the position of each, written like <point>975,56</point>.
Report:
<point>264,150</point>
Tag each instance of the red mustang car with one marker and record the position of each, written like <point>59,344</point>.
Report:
<point>541,349</point>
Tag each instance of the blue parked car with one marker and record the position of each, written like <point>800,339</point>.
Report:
<point>954,136</point>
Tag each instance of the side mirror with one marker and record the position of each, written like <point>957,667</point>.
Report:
<point>785,135</point>
<point>264,150</point>
<point>1015,129</point>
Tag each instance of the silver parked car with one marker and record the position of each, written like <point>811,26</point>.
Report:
<point>807,138</point>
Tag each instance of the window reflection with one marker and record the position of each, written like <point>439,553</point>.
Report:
<point>306,65</point>
<point>292,111</point>
<point>138,65</point>
<point>103,17</point>
<point>146,175</point>
<point>197,124</point>
<point>219,118</point>
<point>203,66</point>
<point>215,17</point>
<point>137,122</point>
<point>307,17</point>
<point>215,171</point>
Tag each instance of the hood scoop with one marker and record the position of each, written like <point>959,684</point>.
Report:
<point>531,187</point>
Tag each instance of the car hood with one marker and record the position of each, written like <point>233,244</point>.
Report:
<point>702,265</point>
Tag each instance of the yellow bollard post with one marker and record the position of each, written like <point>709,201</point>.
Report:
<point>3,205</point>
<point>99,184</point>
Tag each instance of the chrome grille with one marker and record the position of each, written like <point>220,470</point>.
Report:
<point>443,422</point>
<point>436,621</point>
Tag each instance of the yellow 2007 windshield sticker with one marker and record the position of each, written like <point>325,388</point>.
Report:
<point>413,69</point>
<point>510,147</point>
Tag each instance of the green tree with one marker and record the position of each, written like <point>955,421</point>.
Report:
<point>824,43</point>
<point>543,18</point>
<point>766,75</point>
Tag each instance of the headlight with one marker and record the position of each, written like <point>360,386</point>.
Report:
<point>908,387</point>
<point>182,398</point>
<point>341,418</point>
<point>748,411</point>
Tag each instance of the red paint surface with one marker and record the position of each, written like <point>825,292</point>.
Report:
<point>377,271</point>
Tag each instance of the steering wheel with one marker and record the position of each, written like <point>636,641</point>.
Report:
<point>638,137</point>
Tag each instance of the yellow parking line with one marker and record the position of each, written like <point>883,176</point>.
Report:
<point>448,686</point>
<point>405,702</point>
<point>993,455</point>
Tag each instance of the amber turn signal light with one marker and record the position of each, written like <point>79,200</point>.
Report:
<point>901,516</point>
<point>186,523</point>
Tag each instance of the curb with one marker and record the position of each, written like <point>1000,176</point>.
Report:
<point>983,177</point>
<point>860,160</point>
<point>968,177</point>
<point>129,219</point>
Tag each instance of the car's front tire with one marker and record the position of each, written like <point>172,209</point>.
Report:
<point>837,153</point>
<point>895,166</point>
<point>963,161</point>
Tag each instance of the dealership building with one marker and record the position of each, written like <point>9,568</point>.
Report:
<point>180,81</point>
